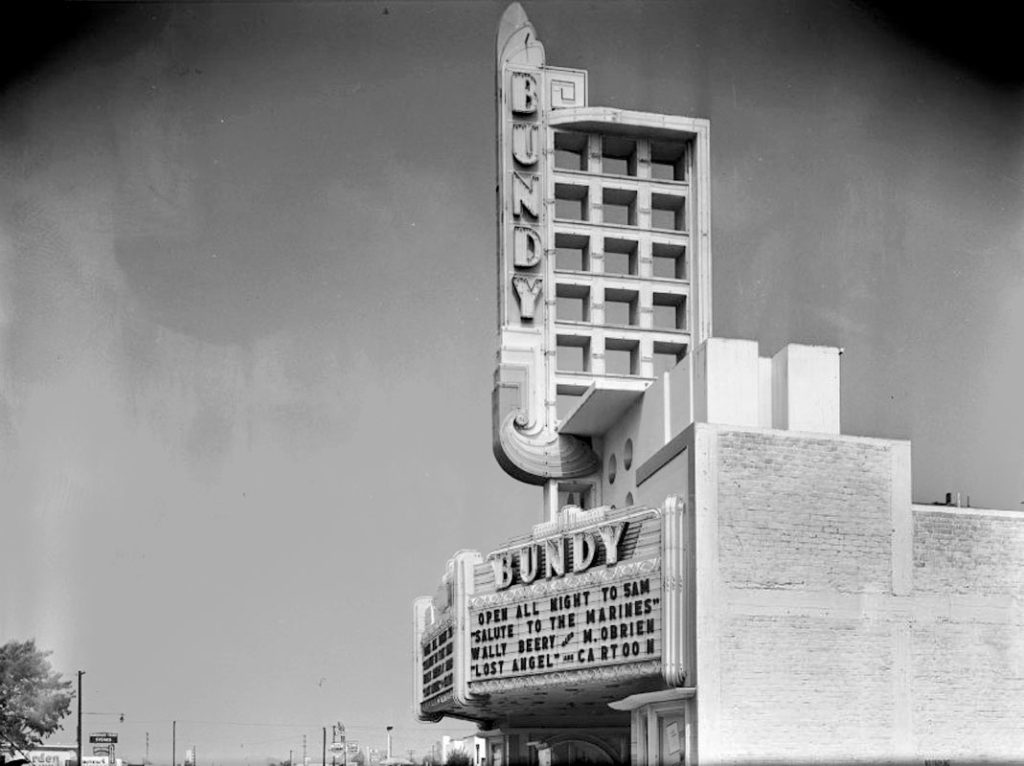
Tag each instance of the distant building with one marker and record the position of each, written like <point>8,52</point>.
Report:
<point>721,576</point>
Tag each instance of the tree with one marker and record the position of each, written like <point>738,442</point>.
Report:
<point>33,696</point>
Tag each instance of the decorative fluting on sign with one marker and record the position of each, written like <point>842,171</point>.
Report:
<point>535,458</point>
<point>609,673</point>
<point>674,556</point>
<point>463,565</point>
<point>517,38</point>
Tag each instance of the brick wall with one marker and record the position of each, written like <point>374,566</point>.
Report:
<point>968,688</point>
<point>809,513</point>
<point>836,621</point>
<point>773,667</point>
<point>968,640</point>
<point>963,552</point>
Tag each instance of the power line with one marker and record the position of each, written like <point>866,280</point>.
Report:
<point>194,722</point>
<point>223,723</point>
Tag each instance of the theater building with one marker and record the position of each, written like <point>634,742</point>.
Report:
<point>720,575</point>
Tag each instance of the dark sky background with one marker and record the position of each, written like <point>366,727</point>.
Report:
<point>247,312</point>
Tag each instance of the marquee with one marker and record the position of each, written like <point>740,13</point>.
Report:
<point>593,597</point>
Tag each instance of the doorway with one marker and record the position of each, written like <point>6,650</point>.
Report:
<point>576,751</point>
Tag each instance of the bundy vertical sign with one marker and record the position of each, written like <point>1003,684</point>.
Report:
<point>603,262</point>
<point>525,440</point>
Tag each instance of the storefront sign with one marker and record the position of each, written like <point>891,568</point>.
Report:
<point>50,757</point>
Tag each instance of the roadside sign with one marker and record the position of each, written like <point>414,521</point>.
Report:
<point>102,737</point>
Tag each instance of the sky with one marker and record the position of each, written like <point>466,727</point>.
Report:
<point>248,320</point>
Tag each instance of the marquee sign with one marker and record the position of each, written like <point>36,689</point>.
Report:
<point>577,628</point>
<point>438,663</point>
<point>440,630</point>
<point>598,595</point>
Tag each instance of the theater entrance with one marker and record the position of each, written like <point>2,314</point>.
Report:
<point>577,751</point>
<point>661,726</point>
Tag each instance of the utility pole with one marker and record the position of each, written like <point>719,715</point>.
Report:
<point>303,750</point>
<point>389,740</point>
<point>78,747</point>
<point>290,758</point>
<point>174,743</point>
<point>147,749</point>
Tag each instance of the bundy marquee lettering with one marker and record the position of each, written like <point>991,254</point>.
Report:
<point>571,600</point>
<point>522,565</point>
<point>525,190</point>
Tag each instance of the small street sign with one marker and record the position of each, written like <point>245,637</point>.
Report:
<point>103,737</point>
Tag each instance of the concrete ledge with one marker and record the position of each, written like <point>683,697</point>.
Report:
<point>635,701</point>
